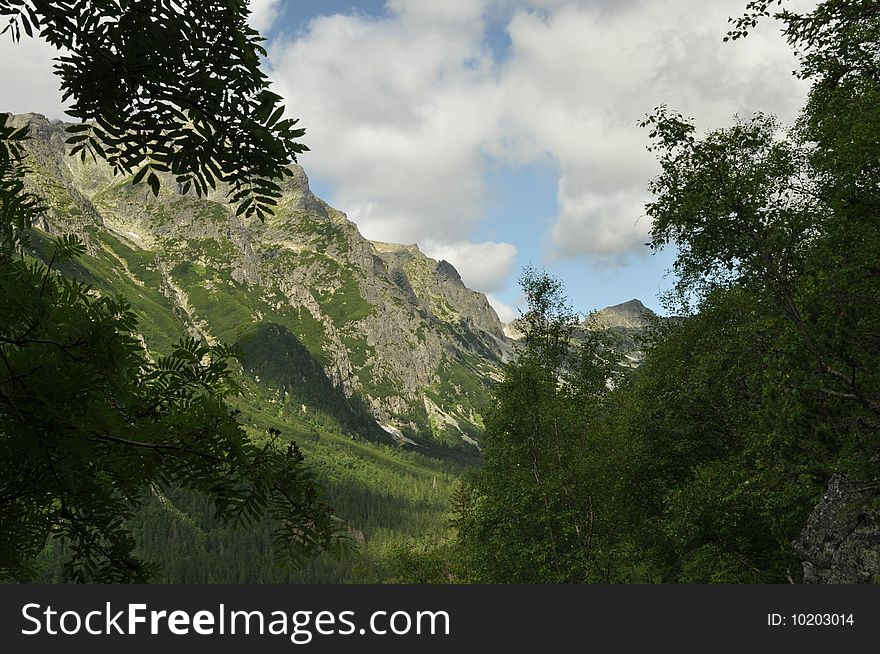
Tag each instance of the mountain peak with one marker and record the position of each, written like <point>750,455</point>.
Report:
<point>365,332</point>
<point>629,305</point>
<point>630,314</point>
<point>447,272</point>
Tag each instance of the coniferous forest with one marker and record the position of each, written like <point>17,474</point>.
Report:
<point>171,414</point>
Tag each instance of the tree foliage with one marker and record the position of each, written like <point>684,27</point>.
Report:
<point>18,206</point>
<point>704,463</point>
<point>744,410</point>
<point>171,86</point>
<point>90,423</point>
<point>528,514</point>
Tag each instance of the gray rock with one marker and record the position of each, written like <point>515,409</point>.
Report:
<point>632,314</point>
<point>841,542</point>
<point>447,272</point>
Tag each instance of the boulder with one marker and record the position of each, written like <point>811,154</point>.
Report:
<point>840,543</point>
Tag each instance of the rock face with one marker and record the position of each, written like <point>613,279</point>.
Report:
<point>390,327</point>
<point>629,315</point>
<point>841,541</point>
<point>628,321</point>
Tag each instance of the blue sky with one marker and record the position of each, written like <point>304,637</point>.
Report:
<point>497,133</point>
<point>294,15</point>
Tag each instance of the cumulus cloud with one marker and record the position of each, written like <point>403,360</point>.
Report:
<point>459,11</point>
<point>588,73</point>
<point>506,313</point>
<point>406,113</point>
<point>395,111</point>
<point>263,13</point>
<point>403,112</point>
<point>484,266</point>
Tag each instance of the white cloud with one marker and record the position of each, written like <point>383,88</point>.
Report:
<point>404,111</point>
<point>506,313</point>
<point>27,79</point>
<point>396,111</point>
<point>458,11</point>
<point>582,77</point>
<point>263,14</point>
<point>484,267</point>
<point>607,225</point>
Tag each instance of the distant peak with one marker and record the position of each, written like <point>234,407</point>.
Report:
<point>28,117</point>
<point>35,119</point>
<point>626,314</point>
<point>629,304</point>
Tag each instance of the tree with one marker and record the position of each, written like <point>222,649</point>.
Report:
<point>704,463</point>
<point>792,217</point>
<point>529,514</point>
<point>775,379</point>
<point>89,422</point>
<point>705,486</point>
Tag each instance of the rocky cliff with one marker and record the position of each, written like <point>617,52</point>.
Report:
<point>389,327</point>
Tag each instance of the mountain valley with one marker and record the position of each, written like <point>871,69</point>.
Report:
<point>376,359</point>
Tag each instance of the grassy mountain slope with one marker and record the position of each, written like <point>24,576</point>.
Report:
<point>398,335</point>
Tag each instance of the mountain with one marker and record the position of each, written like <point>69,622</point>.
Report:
<point>628,322</point>
<point>385,339</point>
<point>628,315</point>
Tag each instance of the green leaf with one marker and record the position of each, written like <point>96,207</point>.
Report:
<point>140,174</point>
<point>153,181</point>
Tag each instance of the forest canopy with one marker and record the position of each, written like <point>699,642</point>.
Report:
<point>704,464</point>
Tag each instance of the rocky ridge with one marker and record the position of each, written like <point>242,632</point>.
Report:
<point>388,325</point>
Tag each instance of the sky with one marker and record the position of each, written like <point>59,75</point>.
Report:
<point>497,134</point>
